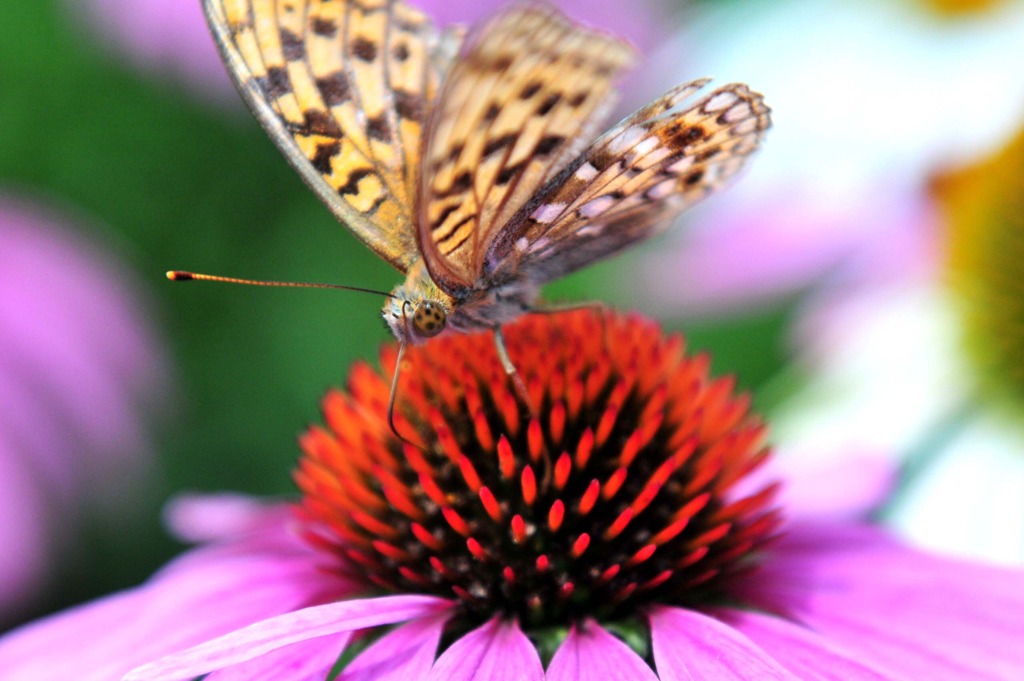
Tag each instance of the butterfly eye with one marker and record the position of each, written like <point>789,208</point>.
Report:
<point>429,319</point>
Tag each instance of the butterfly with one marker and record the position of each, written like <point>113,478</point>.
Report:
<point>471,162</point>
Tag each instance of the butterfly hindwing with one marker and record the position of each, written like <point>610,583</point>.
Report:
<point>519,103</point>
<point>632,181</point>
<point>343,89</point>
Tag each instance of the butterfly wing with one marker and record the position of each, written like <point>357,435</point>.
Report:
<point>343,89</point>
<point>521,102</point>
<point>632,182</point>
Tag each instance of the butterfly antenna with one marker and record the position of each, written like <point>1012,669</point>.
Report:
<point>178,275</point>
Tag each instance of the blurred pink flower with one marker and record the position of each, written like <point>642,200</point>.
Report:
<point>166,37</point>
<point>744,259</point>
<point>838,186</point>
<point>836,209</point>
<point>641,22</point>
<point>941,326</point>
<point>78,370</point>
<point>170,37</point>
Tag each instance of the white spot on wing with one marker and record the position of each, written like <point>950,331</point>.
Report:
<point>586,172</point>
<point>626,139</point>
<point>592,209</point>
<point>548,212</point>
<point>723,100</point>
<point>541,244</point>
<point>662,189</point>
<point>681,165</point>
<point>656,156</point>
<point>737,113</point>
<point>746,127</point>
<point>645,146</point>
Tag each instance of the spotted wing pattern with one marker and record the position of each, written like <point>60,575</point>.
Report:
<point>516,107</point>
<point>632,181</point>
<point>343,88</point>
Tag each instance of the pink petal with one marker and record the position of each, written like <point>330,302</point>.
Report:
<point>918,649</point>
<point>919,615</point>
<point>310,660</point>
<point>590,652</point>
<point>691,646</point>
<point>198,518</point>
<point>106,638</point>
<point>497,651</point>
<point>282,630</point>
<point>60,296</point>
<point>847,487</point>
<point>24,533</point>
<point>806,653</point>
<point>754,255</point>
<point>80,374</point>
<point>401,655</point>
<point>84,655</point>
<point>206,593</point>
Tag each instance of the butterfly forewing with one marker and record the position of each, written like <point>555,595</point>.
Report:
<point>343,88</point>
<point>633,181</point>
<point>520,102</point>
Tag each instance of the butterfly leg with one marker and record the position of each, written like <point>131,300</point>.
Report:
<point>556,308</point>
<point>592,305</point>
<point>510,369</point>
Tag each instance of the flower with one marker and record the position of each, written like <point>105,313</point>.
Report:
<point>683,572</point>
<point>79,371</point>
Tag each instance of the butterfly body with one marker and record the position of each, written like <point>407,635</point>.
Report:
<point>476,170</point>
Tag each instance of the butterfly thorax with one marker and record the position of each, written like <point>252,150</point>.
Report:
<point>419,309</point>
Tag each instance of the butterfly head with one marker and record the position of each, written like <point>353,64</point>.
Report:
<point>414,321</point>
<point>418,309</point>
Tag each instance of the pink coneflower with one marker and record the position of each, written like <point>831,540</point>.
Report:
<point>623,530</point>
<point>80,372</point>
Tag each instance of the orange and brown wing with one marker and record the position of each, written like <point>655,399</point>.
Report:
<point>521,101</point>
<point>343,88</point>
<point>632,182</point>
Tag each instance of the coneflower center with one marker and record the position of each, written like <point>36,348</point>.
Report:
<point>618,491</point>
<point>984,214</point>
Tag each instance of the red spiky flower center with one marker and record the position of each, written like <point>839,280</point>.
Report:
<point>618,490</point>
